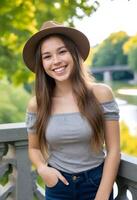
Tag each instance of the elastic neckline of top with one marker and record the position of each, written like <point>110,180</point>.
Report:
<point>108,102</point>
<point>57,114</point>
<point>71,113</point>
<point>67,113</point>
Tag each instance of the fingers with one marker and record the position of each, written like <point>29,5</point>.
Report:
<point>63,179</point>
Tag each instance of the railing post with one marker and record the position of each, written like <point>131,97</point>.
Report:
<point>107,77</point>
<point>122,188</point>
<point>24,186</point>
<point>133,191</point>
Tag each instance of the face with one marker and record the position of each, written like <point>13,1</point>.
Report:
<point>57,60</point>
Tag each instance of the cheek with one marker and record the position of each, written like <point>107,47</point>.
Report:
<point>70,59</point>
<point>46,70</point>
<point>45,65</point>
<point>49,73</point>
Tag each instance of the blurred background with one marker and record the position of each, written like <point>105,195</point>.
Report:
<point>111,29</point>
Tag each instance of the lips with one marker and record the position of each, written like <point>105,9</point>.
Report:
<point>59,70</point>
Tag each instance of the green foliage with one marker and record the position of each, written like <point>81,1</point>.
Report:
<point>130,44</point>
<point>104,56</point>
<point>40,181</point>
<point>128,141</point>
<point>132,58</point>
<point>13,103</point>
<point>19,19</point>
<point>130,49</point>
<point>110,51</point>
<point>52,10</point>
<point>4,179</point>
<point>16,23</point>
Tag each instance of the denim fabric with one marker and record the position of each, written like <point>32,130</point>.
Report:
<point>82,186</point>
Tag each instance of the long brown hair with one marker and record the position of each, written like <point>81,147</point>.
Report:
<point>87,102</point>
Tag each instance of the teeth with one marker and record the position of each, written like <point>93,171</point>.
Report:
<point>59,69</point>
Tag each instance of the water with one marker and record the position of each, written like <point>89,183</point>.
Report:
<point>127,102</point>
<point>128,114</point>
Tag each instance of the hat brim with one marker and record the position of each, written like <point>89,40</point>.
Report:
<point>75,35</point>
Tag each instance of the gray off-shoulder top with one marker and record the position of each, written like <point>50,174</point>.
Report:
<point>69,139</point>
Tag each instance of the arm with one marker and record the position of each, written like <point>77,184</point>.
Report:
<point>49,175</point>
<point>111,161</point>
<point>33,146</point>
<point>112,144</point>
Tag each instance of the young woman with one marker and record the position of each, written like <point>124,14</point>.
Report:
<point>71,119</point>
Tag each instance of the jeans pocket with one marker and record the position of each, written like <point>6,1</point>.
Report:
<point>54,185</point>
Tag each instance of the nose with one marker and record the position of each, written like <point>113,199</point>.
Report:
<point>56,60</point>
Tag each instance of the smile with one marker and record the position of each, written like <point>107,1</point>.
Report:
<point>60,69</point>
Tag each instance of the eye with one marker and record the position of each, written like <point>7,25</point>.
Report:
<point>63,51</point>
<point>47,57</point>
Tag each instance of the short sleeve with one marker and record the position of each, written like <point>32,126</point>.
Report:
<point>110,110</point>
<point>30,121</point>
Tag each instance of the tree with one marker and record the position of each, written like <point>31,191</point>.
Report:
<point>130,44</point>
<point>130,49</point>
<point>13,102</point>
<point>132,58</point>
<point>110,51</point>
<point>132,61</point>
<point>19,19</point>
<point>104,56</point>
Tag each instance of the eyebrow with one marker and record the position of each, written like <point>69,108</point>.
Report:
<point>57,49</point>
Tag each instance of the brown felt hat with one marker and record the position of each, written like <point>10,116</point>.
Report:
<point>49,28</point>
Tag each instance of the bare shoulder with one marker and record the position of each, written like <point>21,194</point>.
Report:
<point>103,92</point>
<point>32,105</point>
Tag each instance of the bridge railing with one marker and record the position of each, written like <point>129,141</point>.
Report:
<point>116,72</point>
<point>18,180</point>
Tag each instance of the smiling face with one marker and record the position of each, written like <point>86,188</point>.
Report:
<point>56,59</point>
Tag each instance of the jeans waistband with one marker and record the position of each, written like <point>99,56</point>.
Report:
<point>84,174</point>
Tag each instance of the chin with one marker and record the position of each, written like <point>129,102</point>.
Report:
<point>63,78</point>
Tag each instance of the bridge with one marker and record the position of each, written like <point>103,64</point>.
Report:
<point>107,72</point>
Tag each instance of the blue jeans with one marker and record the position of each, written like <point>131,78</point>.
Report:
<point>82,186</point>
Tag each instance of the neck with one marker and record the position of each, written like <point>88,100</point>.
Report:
<point>63,88</point>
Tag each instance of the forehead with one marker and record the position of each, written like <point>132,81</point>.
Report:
<point>52,42</point>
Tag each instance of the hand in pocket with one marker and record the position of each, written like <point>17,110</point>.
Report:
<point>51,176</point>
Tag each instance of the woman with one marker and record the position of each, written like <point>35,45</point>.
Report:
<point>70,119</point>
